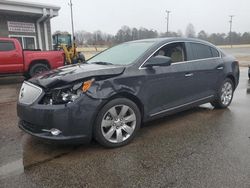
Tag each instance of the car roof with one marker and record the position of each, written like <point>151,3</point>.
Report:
<point>171,39</point>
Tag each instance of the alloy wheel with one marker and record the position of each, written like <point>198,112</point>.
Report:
<point>118,123</point>
<point>226,93</point>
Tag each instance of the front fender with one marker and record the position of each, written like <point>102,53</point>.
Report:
<point>108,88</point>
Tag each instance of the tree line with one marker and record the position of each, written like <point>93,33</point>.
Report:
<point>125,33</point>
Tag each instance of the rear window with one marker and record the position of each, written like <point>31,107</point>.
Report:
<point>6,46</point>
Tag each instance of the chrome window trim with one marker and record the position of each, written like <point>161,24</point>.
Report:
<point>141,66</point>
<point>203,59</point>
<point>176,107</point>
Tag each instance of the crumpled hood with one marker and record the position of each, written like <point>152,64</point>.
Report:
<point>71,73</point>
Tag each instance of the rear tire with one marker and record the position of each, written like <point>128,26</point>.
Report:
<point>224,95</point>
<point>117,123</point>
<point>37,69</point>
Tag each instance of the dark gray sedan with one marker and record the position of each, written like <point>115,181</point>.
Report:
<point>110,95</point>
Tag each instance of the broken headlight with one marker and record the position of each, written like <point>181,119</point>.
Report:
<point>68,94</point>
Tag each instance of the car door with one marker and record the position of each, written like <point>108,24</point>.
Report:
<point>207,68</point>
<point>168,87</point>
<point>10,58</point>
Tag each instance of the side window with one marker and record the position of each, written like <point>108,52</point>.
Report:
<point>6,46</point>
<point>176,51</point>
<point>215,52</point>
<point>201,51</point>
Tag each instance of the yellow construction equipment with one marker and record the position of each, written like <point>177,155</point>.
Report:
<point>63,41</point>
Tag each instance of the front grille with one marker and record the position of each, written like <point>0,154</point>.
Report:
<point>29,93</point>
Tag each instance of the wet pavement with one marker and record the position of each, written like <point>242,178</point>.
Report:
<point>201,147</point>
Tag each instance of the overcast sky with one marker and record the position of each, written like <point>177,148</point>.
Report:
<point>109,15</point>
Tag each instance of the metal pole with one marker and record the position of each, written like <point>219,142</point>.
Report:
<point>168,12</point>
<point>72,20</point>
<point>230,32</point>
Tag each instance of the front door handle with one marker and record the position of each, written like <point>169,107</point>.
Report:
<point>220,68</point>
<point>189,74</point>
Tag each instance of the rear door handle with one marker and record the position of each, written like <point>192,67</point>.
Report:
<point>220,68</point>
<point>189,74</point>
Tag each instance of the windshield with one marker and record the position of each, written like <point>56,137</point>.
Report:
<point>62,39</point>
<point>122,54</point>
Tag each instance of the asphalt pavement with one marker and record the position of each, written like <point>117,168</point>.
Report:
<point>200,147</point>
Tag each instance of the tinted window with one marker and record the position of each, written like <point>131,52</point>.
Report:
<point>215,52</point>
<point>176,51</point>
<point>6,46</point>
<point>201,51</point>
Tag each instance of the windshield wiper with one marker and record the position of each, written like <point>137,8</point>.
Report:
<point>102,63</point>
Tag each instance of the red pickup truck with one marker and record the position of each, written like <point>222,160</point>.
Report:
<point>14,60</point>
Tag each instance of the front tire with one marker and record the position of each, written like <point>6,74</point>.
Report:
<point>225,94</point>
<point>117,123</point>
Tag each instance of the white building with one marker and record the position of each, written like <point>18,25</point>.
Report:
<point>28,22</point>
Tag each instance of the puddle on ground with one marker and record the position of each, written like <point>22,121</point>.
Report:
<point>33,152</point>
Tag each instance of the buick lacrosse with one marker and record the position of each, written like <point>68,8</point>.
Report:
<point>110,95</point>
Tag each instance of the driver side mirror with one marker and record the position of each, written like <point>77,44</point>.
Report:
<point>158,60</point>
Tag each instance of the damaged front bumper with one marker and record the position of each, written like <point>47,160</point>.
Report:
<point>74,121</point>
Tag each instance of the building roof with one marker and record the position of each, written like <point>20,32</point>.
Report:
<point>27,7</point>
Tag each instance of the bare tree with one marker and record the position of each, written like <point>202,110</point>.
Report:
<point>190,31</point>
<point>127,34</point>
<point>179,32</point>
<point>202,35</point>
